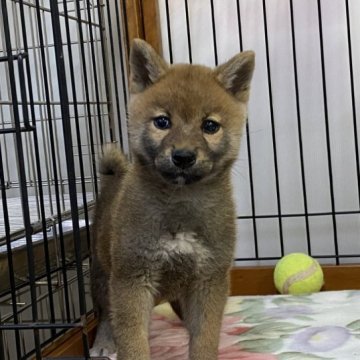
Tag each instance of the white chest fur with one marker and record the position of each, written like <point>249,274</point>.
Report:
<point>183,244</point>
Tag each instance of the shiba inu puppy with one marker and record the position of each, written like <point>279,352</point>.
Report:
<point>165,224</point>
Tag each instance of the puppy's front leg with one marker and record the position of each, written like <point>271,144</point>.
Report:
<point>203,311</point>
<point>131,306</point>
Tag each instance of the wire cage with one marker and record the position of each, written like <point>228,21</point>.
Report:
<point>61,98</point>
<point>63,94</point>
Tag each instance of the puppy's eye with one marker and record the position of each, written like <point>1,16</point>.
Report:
<point>162,122</point>
<point>210,126</point>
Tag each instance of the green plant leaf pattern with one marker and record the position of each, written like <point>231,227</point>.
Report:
<point>319,326</point>
<point>301,356</point>
<point>316,326</point>
<point>355,325</point>
<point>267,346</point>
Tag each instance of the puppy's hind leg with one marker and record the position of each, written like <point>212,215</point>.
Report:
<point>104,342</point>
<point>177,309</point>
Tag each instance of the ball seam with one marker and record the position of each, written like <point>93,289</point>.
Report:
<point>299,276</point>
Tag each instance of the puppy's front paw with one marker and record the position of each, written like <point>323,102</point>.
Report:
<point>103,351</point>
<point>104,343</point>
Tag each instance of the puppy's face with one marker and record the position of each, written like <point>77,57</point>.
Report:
<point>185,120</point>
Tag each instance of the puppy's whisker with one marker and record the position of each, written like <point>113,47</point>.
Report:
<point>238,172</point>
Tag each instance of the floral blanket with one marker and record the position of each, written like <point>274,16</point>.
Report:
<point>324,325</point>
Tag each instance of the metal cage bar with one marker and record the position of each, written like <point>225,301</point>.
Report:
<point>63,94</point>
<point>57,108</point>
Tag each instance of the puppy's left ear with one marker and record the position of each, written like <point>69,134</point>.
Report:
<point>146,66</point>
<point>236,74</point>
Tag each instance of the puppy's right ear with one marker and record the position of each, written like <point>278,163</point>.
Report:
<point>146,66</point>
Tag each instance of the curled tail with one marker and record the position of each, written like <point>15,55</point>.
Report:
<point>113,161</point>
<point>113,166</point>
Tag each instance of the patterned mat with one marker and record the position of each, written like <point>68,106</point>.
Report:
<point>324,326</point>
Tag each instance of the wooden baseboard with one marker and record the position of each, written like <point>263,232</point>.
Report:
<point>259,280</point>
<point>70,344</point>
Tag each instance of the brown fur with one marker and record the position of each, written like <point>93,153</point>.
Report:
<point>163,231</point>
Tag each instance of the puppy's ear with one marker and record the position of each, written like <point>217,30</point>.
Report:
<point>146,66</point>
<point>235,75</point>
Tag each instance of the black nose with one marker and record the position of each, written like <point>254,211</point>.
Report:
<point>183,158</point>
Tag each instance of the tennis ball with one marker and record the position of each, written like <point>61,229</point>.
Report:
<point>297,274</point>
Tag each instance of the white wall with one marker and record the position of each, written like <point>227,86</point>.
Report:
<point>339,108</point>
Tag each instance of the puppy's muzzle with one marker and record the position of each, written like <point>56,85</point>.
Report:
<point>183,158</point>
